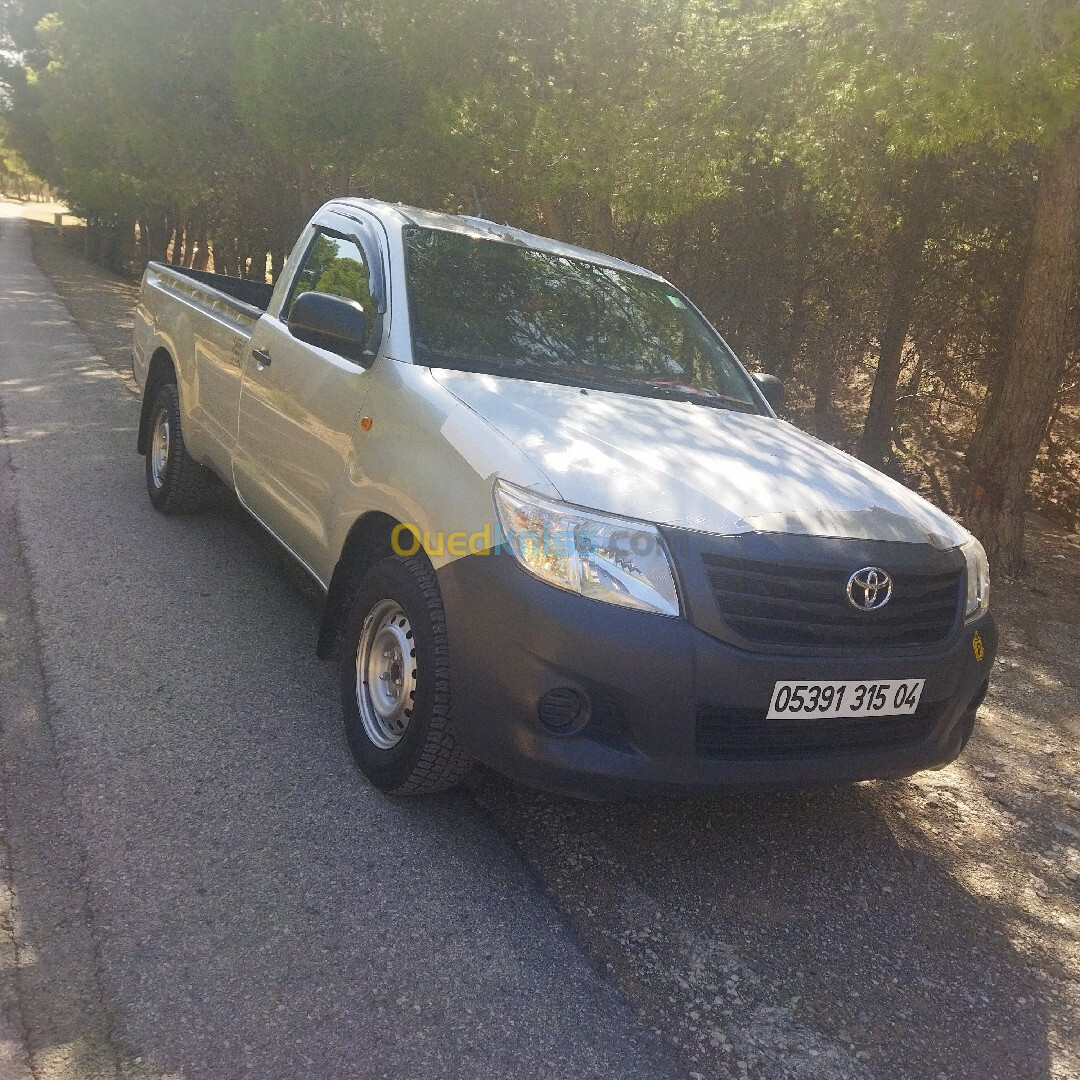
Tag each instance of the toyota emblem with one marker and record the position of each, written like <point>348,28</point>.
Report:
<point>869,589</point>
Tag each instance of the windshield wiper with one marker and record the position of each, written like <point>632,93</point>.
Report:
<point>588,378</point>
<point>504,368</point>
<point>669,390</point>
<point>685,392</point>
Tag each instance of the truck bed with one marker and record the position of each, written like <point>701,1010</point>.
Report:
<point>254,294</point>
<point>207,320</point>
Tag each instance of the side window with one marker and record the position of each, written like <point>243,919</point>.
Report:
<point>337,266</point>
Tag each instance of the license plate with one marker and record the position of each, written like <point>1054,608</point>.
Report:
<point>890,697</point>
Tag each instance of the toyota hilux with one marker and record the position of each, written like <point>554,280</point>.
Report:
<point>557,526</point>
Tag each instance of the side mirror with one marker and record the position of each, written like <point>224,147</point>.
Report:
<point>772,389</point>
<point>332,323</point>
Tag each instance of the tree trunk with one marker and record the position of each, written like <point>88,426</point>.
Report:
<point>824,388</point>
<point>112,247</point>
<point>905,267</point>
<point>131,253</point>
<point>914,386</point>
<point>1009,443</point>
<point>201,254</point>
<point>799,313</point>
<point>157,237</point>
<point>795,332</point>
<point>308,188</point>
<point>226,252</point>
<point>602,230</point>
<point>218,252</point>
<point>556,224</point>
<point>773,353</point>
<point>91,238</point>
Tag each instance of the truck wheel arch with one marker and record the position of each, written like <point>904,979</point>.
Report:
<point>161,370</point>
<point>367,543</point>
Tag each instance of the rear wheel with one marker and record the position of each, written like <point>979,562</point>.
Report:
<point>175,481</point>
<point>395,681</point>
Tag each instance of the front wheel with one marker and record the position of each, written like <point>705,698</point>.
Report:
<point>395,682</point>
<point>175,481</point>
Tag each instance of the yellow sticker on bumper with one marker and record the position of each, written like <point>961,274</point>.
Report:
<point>978,648</point>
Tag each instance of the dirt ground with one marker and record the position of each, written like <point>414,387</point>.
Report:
<point>1000,829</point>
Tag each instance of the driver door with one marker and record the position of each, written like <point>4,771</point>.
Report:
<point>300,406</point>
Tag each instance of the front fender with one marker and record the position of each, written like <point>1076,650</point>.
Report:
<point>427,461</point>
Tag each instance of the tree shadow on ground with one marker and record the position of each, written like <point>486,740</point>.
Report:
<point>810,933</point>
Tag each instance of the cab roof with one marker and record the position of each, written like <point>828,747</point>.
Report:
<point>483,229</point>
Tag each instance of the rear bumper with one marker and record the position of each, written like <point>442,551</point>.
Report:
<point>670,709</point>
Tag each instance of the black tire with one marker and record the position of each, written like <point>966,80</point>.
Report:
<point>426,758</point>
<point>180,485</point>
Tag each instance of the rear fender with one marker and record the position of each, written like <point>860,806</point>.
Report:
<point>161,370</point>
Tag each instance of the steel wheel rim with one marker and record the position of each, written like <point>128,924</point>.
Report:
<point>159,448</point>
<point>386,674</point>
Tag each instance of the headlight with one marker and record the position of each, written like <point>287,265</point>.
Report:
<point>606,558</point>
<point>978,579</point>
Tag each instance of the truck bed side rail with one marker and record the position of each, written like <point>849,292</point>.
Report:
<point>246,299</point>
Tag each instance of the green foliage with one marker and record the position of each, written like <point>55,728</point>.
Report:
<point>345,277</point>
<point>768,155</point>
<point>13,169</point>
<point>594,118</point>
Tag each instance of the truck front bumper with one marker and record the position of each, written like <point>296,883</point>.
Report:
<point>663,707</point>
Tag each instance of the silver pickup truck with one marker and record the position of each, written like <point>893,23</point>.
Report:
<point>559,528</point>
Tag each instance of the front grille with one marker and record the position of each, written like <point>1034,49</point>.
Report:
<point>745,733</point>
<point>807,606</point>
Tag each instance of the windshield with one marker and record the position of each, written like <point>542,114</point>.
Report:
<point>502,308</point>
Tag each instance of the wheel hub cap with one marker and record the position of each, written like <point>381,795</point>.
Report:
<point>386,674</point>
<point>159,449</point>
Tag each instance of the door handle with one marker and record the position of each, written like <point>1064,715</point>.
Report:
<point>262,357</point>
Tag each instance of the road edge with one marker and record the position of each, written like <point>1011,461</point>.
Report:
<point>62,1009</point>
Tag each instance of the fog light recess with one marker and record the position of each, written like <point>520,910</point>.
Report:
<point>563,710</point>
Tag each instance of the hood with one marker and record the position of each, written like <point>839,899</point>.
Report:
<point>694,467</point>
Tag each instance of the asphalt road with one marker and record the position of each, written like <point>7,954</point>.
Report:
<point>203,886</point>
<point>195,882</point>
